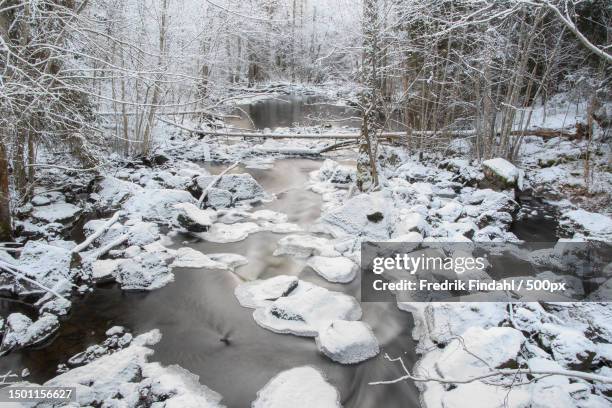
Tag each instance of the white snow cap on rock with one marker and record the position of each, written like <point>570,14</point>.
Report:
<point>505,170</point>
<point>336,269</point>
<point>300,387</point>
<point>347,342</point>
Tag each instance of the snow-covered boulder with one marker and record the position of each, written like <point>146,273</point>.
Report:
<point>47,264</point>
<point>190,258</point>
<point>590,224</point>
<point>260,293</point>
<point>569,346</point>
<point>64,213</point>
<point>300,387</point>
<point>501,174</point>
<point>157,204</point>
<point>111,192</point>
<point>347,342</point>
<point>303,246</point>
<point>480,350</point>
<point>450,212</point>
<point>366,215</point>
<point>336,173</point>
<point>125,378</point>
<point>335,269</point>
<point>193,219</point>
<point>146,272</point>
<point>242,187</point>
<point>410,222</point>
<point>21,332</point>
<point>306,310</point>
<point>224,233</point>
<point>218,198</point>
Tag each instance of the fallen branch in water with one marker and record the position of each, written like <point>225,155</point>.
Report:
<point>97,233</point>
<point>213,182</point>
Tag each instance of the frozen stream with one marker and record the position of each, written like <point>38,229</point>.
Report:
<point>204,328</point>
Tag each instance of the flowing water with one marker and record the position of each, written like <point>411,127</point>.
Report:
<point>204,328</point>
<point>293,110</point>
<point>206,331</point>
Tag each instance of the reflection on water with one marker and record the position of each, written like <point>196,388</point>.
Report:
<point>206,331</point>
<point>293,110</point>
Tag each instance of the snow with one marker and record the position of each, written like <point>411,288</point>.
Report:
<point>56,212</point>
<point>300,387</point>
<point>157,204</point>
<point>224,233</point>
<point>347,342</point>
<point>47,264</point>
<point>242,187</point>
<point>113,192</point>
<point>21,332</point>
<point>146,272</point>
<point>305,312</point>
<point>591,224</point>
<point>334,269</point>
<point>260,293</point>
<point>505,172</point>
<point>365,215</point>
<point>190,258</point>
<point>303,246</point>
<point>193,219</point>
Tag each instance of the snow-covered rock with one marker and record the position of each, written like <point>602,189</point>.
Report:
<point>47,264</point>
<point>112,192</point>
<point>569,346</point>
<point>304,246</point>
<point>300,387</point>
<point>242,187</point>
<point>193,219</point>
<point>365,215</point>
<point>146,272</point>
<point>410,222</point>
<point>307,310</point>
<point>336,173</point>
<point>126,379</point>
<point>347,342</point>
<point>56,212</point>
<point>590,224</point>
<point>190,258</point>
<point>502,174</point>
<point>224,233</point>
<point>335,269</point>
<point>260,293</point>
<point>21,332</point>
<point>157,204</point>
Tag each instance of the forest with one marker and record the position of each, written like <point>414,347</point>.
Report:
<point>191,191</point>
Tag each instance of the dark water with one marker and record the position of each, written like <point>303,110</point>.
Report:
<point>293,110</point>
<point>199,309</point>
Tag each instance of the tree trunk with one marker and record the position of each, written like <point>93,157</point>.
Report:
<point>5,202</point>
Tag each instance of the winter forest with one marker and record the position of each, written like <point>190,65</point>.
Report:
<point>194,196</point>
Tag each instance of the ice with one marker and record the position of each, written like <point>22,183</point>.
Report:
<point>231,261</point>
<point>303,246</point>
<point>300,387</point>
<point>260,293</point>
<point>347,342</point>
<point>56,212</point>
<point>334,269</point>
